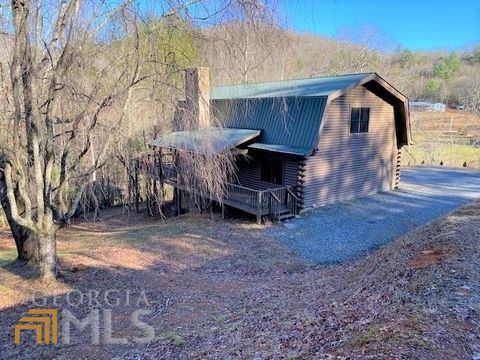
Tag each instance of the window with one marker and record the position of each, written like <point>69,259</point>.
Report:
<point>359,119</point>
<point>272,170</point>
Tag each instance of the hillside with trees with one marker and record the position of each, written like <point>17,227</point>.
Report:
<point>265,52</point>
<point>83,97</point>
<point>128,190</point>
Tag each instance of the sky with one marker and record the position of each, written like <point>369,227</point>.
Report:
<point>416,25</point>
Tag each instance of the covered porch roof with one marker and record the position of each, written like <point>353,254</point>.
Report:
<point>208,140</point>
<point>282,149</point>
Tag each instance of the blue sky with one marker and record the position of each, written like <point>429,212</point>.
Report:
<point>418,25</point>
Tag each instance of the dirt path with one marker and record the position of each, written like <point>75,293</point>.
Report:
<point>224,290</point>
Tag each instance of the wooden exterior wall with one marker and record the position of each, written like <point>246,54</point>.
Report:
<point>249,173</point>
<point>351,165</point>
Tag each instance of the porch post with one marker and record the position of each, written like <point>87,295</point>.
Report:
<point>129,184</point>
<point>178,201</point>
<point>259,207</point>
<point>137,198</point>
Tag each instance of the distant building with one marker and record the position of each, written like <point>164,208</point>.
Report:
<point>427,106</point>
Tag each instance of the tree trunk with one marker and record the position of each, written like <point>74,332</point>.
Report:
<point>26,243</point>
<point>36,249</point>
<point>48,259</point>
<point>28,248</point>
<point>39,250</point>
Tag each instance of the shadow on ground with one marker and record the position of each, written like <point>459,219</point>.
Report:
<point>190,275</point>
<point>339,232</point>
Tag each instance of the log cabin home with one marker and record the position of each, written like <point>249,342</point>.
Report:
<point>302,143</point>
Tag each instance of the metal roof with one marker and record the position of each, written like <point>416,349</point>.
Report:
<point>301,129</point>
<point>320,86</point>
<point>208,140</point>
<point>287,114</point>
<point>283,149</point>
<point>292,122</point>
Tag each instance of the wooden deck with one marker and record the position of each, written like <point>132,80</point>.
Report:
<point>278,203</point>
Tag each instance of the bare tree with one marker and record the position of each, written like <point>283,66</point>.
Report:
<point>470,96</point>
<point>56,112</point>
<point>248,45</point>
<point>360,50</point>
<point>74,87</point>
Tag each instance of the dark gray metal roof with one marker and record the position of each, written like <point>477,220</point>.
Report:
<point>289,113</point>
<point>292,122</point>
<point>320,86</point>
<point>268,102</point>
<point>209,140</point>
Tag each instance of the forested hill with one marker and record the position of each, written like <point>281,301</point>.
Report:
<point>239,53</point>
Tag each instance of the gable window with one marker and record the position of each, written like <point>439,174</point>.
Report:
<point>272,170</point>
<point>359,119</point>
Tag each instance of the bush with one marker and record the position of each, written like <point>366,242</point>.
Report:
<point>448,67</point>
<point>100,196</point>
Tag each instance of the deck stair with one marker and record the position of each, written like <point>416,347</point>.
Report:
<point>284,214</point>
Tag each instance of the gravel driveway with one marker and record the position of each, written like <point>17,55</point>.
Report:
<point>338,232</point>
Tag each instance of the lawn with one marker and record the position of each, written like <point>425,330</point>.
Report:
<point>226,290</point>
<point>430,153</point>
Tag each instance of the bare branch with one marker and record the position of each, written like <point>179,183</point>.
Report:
<point>28,223</point>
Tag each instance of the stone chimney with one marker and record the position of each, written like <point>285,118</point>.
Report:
<point>197,91</point>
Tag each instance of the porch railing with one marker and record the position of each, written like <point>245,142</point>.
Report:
<point>244,196</point>
<point>261,202</point>
<point>274,201</point>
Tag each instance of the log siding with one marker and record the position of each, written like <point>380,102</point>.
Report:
<point>249,173</point>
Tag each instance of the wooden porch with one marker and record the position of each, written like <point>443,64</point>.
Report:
<point>279,203</point>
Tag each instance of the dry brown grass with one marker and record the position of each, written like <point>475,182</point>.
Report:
<point>234,293</point>
<point>461,121</point>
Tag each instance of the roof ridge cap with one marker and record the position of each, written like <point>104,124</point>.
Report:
<point>297,79</point>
